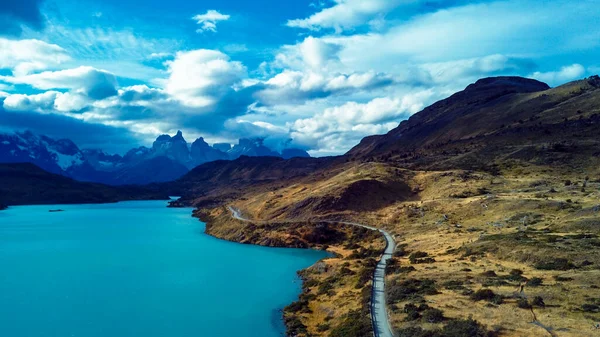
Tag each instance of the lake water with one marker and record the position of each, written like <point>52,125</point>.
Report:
<point>137,269</point>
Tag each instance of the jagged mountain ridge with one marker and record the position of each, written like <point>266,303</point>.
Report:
<point>168,159</point>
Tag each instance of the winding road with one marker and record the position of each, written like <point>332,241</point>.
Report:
<point>379,316</point>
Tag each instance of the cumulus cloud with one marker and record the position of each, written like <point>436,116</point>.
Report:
<point>47,102</point>
<point>200,78</point>
<point>475,68</point>
<point>43,102</point>
<point>95,83</point>
<point>345,14</point>
<point>208,21</point>
<point>564,74</point>
<point>25,56</point>
<point>84,134</point>
<point>337,129</point>
<point>299,86</point>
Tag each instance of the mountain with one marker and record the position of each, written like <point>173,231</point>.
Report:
<point>491,126</point>
<point>169,158</point>
<point>493,120</point>
<point>201,152</point>
<point>175,148</point>
<point>27,184</point>
<point>294,153</point>
<point>55,156</point>
<point>493,189</point>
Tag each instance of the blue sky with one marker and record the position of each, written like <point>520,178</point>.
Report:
<point>316,74</point>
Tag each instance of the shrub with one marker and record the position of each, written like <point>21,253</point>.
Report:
<point>453,285</point>
<point>325,287</point>
<point>323,327</point>
<point>516,275</point>
<point>559,278</point>
<point>433,315</point>
<point>590,308</point>
<point>486,295</point>
<point>454,328</point>
<point>364,276</point>
<point>523,304</point>
<point>418,332</point>
<point>538,301</point>
<point>556,264</point>
<point>489,273</point>
<point>535,282</point>
<point>410,289</point>
<point>417,255</point>
<point>412,312</point>
<point>465,328</point>
<point>294,326</point>
<point>401,250</point>
<point>355,324</point>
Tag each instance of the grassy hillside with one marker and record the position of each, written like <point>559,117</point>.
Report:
<point>493,195</point>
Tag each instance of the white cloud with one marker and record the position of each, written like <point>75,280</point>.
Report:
<point>317,53</point>
<point>337,129</point>
<point>26,56</point>
<point>236,48</point>
<point>208,21</point>
<point>346,14</point>
<point>95,83</point>
<point>199,78</point>
<point>475,68</point>
<point>564,74</point>
<point>47,102</point>
<point>40,102</point>
<point>71,102</point>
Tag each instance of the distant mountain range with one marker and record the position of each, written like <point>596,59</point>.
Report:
<point>168,159</point>
<point>27,184</point>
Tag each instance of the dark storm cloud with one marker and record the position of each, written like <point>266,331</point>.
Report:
<point>15,13</point>
<point>85,135</point>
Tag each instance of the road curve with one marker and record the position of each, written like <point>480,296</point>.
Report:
<point>379,316</point>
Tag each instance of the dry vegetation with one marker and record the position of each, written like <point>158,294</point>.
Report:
<point>530,237</point>
<point>498,227</point>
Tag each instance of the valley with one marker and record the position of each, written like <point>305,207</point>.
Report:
<point>492,196</point>
<point>498,225</point>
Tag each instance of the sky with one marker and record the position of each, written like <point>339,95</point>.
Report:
<point>313,74</point>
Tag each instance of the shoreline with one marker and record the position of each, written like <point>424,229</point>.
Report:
<point>379,319</point>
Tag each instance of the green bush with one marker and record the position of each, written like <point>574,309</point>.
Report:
<point>538,301</point>
<point>433,315</point>
<point>556,264</point>
<point>523,304</point>
<point>412,312</point>
<point>489,273</point>
<point>590,308</point>
<point>465,328</point>
<point>417,255</point>
<point>486,295</point>
<point>355,324</point>
<point>454,285</point>
<point>535,282</point>
<point>454,328</point>
<point>323,327</point>
<point>411,289</point>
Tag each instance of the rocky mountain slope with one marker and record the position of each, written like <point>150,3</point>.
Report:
<point>492,194</point>
<point>496,120</point>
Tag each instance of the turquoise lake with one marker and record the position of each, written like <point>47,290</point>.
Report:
<point>137,269</point>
